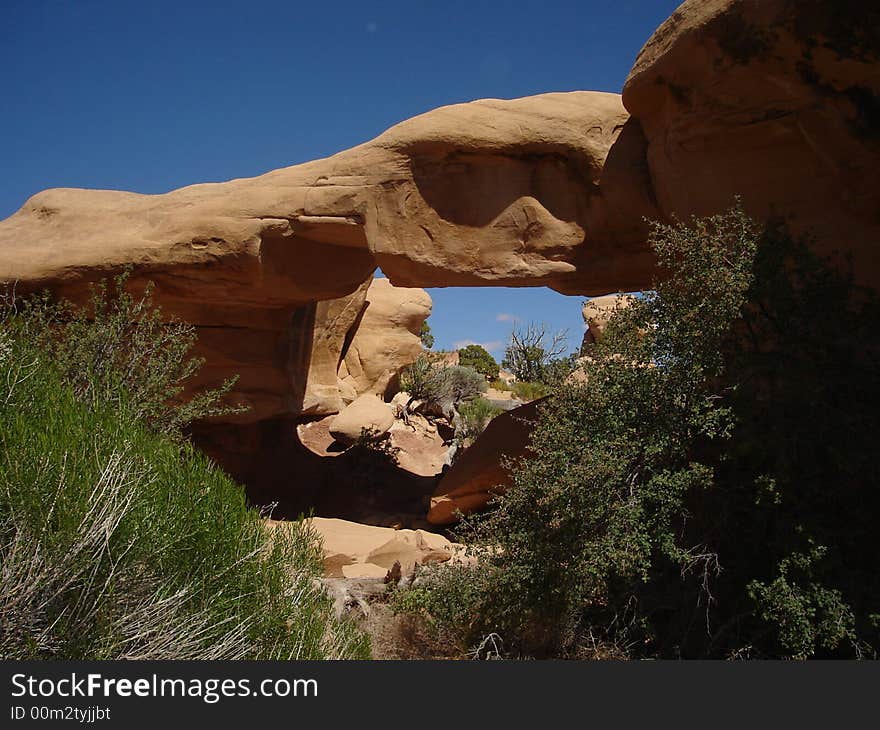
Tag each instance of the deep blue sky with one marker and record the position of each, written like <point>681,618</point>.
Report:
<point>150,96</point>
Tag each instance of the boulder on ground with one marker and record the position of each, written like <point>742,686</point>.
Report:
<point>367,413</point>
<point>352,550</point>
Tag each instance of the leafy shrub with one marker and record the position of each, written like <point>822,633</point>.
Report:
<point>529,391</point>
<point>119,348</point>
<point>478,358</point>
<point>710,490</point>
<point>458,384</point>
<point>370,458</point>
<point>556,371</point>
<point>475,416</point>
<point>119,542</point>
<point>425,335</point>
<point>441,386</point>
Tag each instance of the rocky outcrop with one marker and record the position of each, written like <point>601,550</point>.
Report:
<point>366,415</point>
<point>547,190</point>
<point>777,101</point>
<point>490,192</point>
<point>386,339</point>
<point>479,472</point>
<point>364,551</point>
<point>321,348</point>
<point>598,311</point>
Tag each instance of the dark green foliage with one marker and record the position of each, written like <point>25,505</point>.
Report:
<point>711,490</point>
<point>118,542</point>
<point>371,457</point>
<point>426,336</point>
<point>478,358</point>
<point>556,371</point>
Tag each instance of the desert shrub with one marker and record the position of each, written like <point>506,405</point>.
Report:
<point>119,542</point>
<point>474,417</point>
<point>416,379</point>
<point>710,490</point>
<point>478,358</point>
<point>118,347</point>
<point>501,385</point>
<point>530,349</point>
<point>370,458</point>
<point>441,385</point>
<point>528,391</point>
<point>459,384</point>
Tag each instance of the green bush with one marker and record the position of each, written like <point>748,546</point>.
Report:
<point>119,542</point>
<point>527,391</point>
<point>711,489</point>
<point>425,335</point>
<point>475,416</point>
<point>119,348</point>
<point>441,385</point>
<point>478,358</point>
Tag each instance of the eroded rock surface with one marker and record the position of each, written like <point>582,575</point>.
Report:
<point>777,101</point>
<point>385,340</point>
<point>479,473</point>
<point>273,270</point>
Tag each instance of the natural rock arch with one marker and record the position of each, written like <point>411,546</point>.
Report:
<point>777,101</point>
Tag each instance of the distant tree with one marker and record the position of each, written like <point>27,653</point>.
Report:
<point>426,336</point>
<point>531,349</point>
<point>478,358</point>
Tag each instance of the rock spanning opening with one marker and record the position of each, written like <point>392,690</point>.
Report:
<point>550,190</point>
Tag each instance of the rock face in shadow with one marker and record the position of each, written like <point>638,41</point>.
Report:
<point>777,101</point>
<point>289,479</point>
<point>479,473</point>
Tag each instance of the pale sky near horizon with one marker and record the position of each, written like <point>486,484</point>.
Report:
<point>148,97</point>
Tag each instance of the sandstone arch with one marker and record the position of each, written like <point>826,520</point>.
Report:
<point>777,101</point>
<point>274,270</point>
